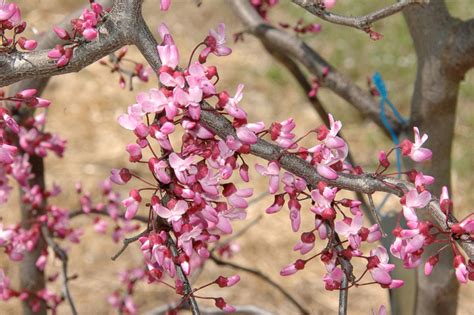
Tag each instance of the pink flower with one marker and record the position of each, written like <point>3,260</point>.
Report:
<point>282,133</point>
<point>184,169</point>
<point>414,150</point>
<point>333,279</point>
<point>350,229</point>
<point>174,214</point>
<point>430,263</point>
<point>135,152</point>
<point>9,14</point>
<point>422,180</point>
<point>322,199</point>
<point>131,204</point>
<point>220,303</point>
<point>165,5</point>
<point>445,203</point>
<point>273,172</point>
<point>459,264</point>
<point>415,200</point>
<point>215,43</point>
<point>329,4</point>
<point>247,133</point>
<point>7,153</point>
<point>380,269</point>
<point>227,281</point>
<point>293,268</point>
<point>197,77</point>
<point>232,104</point>
<point>169,55</point>
<point>120,177</point>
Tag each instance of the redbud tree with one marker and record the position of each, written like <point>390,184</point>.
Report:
<point>193,141</point>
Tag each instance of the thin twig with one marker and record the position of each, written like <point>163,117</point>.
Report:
<point>78,213</point>
<point>62,255</point>
<point>130,240</point>
<point>262,276</point>
<point>188,291</point>
<point>375,214</point>
<point>359,22</point>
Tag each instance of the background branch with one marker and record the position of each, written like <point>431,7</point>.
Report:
<point>262,276</point>
<point>294,47</point>
<point>62,255</point>
<point>359,22</point>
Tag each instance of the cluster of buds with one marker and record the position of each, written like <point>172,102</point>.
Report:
<point>10,21</point>
<point>84,28</point>
<point>301,28</point>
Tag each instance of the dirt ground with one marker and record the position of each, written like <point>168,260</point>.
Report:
<point>86,105</point>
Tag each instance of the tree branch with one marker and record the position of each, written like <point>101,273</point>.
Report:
<point>359,22</point>
<point>299,76</point>
<point>297,49</point>
<point>262,276</point>
<point>62,255</point>
<point>113,34</point>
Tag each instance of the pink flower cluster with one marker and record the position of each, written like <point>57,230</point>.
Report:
<point>191,198</point>
<point>10,20</point>
<point>83,28</point>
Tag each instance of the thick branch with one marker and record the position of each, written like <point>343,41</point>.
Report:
<point>297,49</point>
<point>114,33</point>
<point>359,22</point>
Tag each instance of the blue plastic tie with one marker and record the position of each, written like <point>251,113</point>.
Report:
<point>381,88</point>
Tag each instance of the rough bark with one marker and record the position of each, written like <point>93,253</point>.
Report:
<point>434,111</point>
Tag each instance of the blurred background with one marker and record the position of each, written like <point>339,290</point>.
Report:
<point>84,111</point>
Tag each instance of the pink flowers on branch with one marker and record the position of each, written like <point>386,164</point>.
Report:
<point>84,28</point>
<point>10,21</point>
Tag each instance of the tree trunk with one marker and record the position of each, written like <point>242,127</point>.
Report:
<point>31,278</point>
<point>434,112</point>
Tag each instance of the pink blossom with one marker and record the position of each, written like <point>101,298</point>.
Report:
<point>174,214</point>
<point>430,263</point>
<point>273,172</point>
<point>232,104</point>
<point>459,264</point>
<point>293,268</point>
<point>422,180</point>
<point>165,5</point>
<point>282,133</point>
<point>247,133</point>
<point>169,55</point>
<point>197,77</point>
<point>7,153</point>
<point>415,200</point>
<point>380,268</point>
<point>333,279</point>
<point>120,177</point>
<point>227,281</point>
<point>184,169</point>
<point>158,167</point>
<point>131,204</point>
<point>9,14</point>
<point>350,229</point>
<point>414,150</point>
<point>322,199</point>
<point>215,43</point>
<point>277,204</point>
<point>329,4</point>
<point>135,152</point>
<point>220,303</point>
